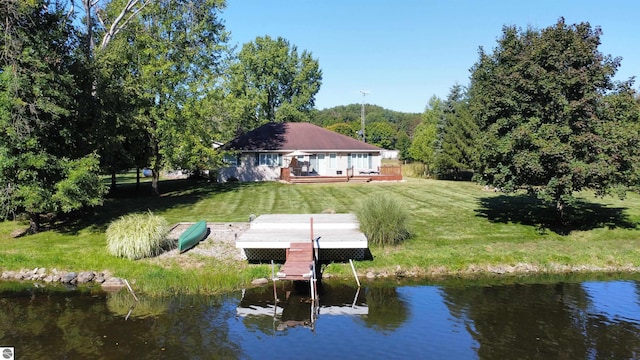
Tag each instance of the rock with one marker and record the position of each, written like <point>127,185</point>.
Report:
<point>260,281</point>
<point>69,278</point>
<point>113,284</point>
<point>19,233</point>
<point>85,277</point>
<point>371,275</point>
<point>106,274</point>
<point>25,274</point>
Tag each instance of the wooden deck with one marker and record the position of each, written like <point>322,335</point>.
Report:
<point>313,179</point>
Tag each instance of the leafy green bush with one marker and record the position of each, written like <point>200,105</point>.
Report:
<point>384,220</point>
<point>136,236</point>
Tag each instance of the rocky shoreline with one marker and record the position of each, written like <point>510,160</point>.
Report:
<point>104,278</point>
<point>220,244</point>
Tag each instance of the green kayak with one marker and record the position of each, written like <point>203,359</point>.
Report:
<point>192,236</point>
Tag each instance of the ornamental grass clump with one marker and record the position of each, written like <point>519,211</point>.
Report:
<point>137,236</point>
<point>383,219</point>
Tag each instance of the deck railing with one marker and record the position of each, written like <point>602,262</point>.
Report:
<point>349,172</point>
<point>385,173</point>
<point>285,174</point>
<point>391,170</point>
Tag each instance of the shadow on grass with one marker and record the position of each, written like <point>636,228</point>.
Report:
<point>528,210</point>
<point>127,199</point>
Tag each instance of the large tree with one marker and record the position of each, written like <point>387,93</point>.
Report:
<point>546,122</point>
<point>121,141</point>
<point>382,134</point>
<point>174,50</point>
<point>271,82</point>
<point>46,162</point>
<point>456,135</point>
<point>424,137</point>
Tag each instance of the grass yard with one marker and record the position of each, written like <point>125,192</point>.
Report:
<point>457,228</point>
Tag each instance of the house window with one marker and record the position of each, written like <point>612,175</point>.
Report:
<point>360,161</point>
<point>270,159</point>
<point>333,161</point>
<point>231,159</point>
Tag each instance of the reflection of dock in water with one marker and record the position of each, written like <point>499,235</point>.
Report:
<point>298,309</point>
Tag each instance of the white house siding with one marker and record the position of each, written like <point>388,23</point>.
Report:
<point>390,154</point>
<point>248,171</point>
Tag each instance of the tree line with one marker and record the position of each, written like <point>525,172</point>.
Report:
<point>96,87</point>
<point>112,85</point>
<point>542,114</point>
<point>384,128</point>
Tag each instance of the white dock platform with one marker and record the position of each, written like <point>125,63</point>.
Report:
<point>337,236</point>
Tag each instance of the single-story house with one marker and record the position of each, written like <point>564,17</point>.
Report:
<point>303,149</point>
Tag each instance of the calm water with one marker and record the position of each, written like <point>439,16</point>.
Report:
<point>563,320</point>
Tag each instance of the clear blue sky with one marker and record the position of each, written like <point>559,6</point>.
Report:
<point>403,52</point>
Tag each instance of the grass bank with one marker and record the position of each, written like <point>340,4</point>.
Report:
<point>457,228</point>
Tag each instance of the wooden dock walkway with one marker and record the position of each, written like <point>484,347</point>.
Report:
<point>299,264</point>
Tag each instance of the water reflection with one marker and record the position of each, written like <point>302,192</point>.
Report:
<point>550,321</point>
<point>288,307</point>
<point>589,319</point>
<point>611,299</point>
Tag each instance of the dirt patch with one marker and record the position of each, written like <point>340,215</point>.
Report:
<point>220,244</point>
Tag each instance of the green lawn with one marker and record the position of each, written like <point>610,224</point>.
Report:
<point>457,228</point>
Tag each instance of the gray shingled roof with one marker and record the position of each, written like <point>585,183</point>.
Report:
<point>296,136</point>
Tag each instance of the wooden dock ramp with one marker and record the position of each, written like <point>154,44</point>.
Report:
<point>299,264</point>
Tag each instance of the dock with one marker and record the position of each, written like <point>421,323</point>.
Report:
<point>302,241</point>
<point>336,237</point>
<point>299,264</point>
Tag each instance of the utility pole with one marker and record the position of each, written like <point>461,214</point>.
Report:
<point>364,93</point>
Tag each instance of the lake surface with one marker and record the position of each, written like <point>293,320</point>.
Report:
<point>557,320</point>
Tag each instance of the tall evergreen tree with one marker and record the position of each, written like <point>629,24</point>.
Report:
<point>456,135</point>
<point>45,161</point>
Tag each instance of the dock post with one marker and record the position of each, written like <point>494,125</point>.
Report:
<point>313,281</point>
<point>313,293</point>
<point>273,279</point>
<point>355,274</point>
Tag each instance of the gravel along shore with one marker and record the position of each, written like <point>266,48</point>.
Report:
<point>220,243</point>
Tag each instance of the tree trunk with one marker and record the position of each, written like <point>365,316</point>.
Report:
<point>137,179</point>
<point>560,210</point>
<point>34,223</point>
<point>154,182</point>
<point>113,180</point>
